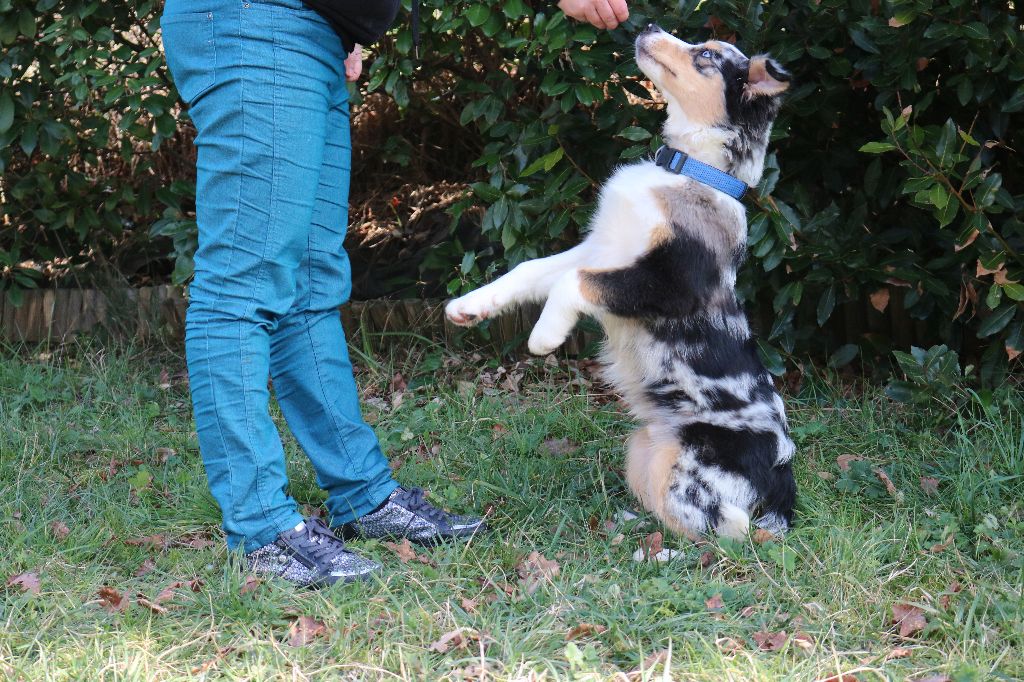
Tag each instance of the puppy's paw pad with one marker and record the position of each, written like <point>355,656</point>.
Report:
<point>464,313</point>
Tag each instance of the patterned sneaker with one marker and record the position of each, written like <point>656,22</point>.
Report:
<point>310,555</point>
<point>407,514</point>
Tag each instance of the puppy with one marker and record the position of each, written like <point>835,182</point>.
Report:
<point>658,271</point>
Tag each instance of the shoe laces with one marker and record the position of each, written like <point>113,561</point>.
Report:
<point>415,500</point>
<point>320,542</point>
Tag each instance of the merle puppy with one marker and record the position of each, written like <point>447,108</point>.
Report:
<point>658,271</point>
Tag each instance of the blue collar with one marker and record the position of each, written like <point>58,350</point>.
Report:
<point>681,163</point>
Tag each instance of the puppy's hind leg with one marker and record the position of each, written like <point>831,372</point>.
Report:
<point>529,281</point>
<point>651,474</point>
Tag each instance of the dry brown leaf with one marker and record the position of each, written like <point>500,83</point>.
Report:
<point>537,569</point>
<point>146,567</point>
<point>250,585</point>
<point>112,600</point>
<point>559,446</point>
<point>617,540</point>
<point>844,461</point>
<point>880,299</point>
<point>841,677</point>
<point>209,663</point>
<point>450,640</point>
<point>929,485</point>
<point>748,611</point>
<point>650,663</point>
<point>157,541</point>
<point>194,541</point>
<point>890,487</point>
<point>304,630</point>
<point>142,600</point>
<point>939,677</point>
<point>770,641</point>
<point>761,536</point>
<point>981,270</point>
<point>652,544</point>
<point>714,603</point>
<point>60,530</point>
<point>164,454</point>
<point>469,605</point>
<point>584,630</point>
<point>706,559</point>
<point>898,652</point>
<point>909,618</point>
<point>803,641</point>
<point>958,247</point>
<point>405,552</point>
<point>498,430</point>
<point>728,645</point>
<point>26,582</point>
<point>195,585</point>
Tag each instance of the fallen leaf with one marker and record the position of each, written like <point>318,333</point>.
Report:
<point>880,299</point>
<point>841,677</point>
<point>706,559</point>
<point>728,645</point>
<point>652,544</point>
<point>450,640</point>
<point>194,541</point>
<point>934,678</point>
<point>617,540</point>
<point>584,630</point>
<point>909,618</point>
<point>559,446</point>
<point>405,552</point>
<point>165,380</point>
<point>164,454</point>
<point>147,566</point>
<point>844,461</point>
<point>748,611</point>
<point>942,546</point>
<point>209,663</point>
<point>157,541</point>
<point>890,487</point>
<point>535,570</point>
<point>60,530</point>
<point>142,600</point>
<point>898,652</point>
<point>770,641</point>
<point>304,630</point>
<point>469,605</point>
<point>250,584</point>
<point>498,430</point>
<point>761,536</point>
<point>803,641</point>
<point>826,476</point>
<point>26,582</point>
<point>112,600</point>
<point>714,603</point>
<point>929,485</point>
<point>650,663</point>
<point>195,585</point>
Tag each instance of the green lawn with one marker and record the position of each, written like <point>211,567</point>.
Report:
<point>101,486</point>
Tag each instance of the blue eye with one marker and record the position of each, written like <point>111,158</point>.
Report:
<point>706,54</point>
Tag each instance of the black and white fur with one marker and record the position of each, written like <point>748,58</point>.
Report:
<point>658,270</point>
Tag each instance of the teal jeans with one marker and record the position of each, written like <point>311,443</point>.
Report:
<point>265,85</point>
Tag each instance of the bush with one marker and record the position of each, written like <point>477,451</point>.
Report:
<point>884,217</point>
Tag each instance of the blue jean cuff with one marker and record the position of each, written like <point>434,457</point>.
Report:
<point>342,511</point>
<point>285,522</point>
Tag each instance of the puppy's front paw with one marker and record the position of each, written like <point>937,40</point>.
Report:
<point>544,341</point>
<point>468,310</point>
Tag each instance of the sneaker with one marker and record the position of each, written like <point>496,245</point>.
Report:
<point>407,514</point>
<point>310,555</point>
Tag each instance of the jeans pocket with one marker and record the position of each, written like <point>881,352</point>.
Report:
<point>191,52</point>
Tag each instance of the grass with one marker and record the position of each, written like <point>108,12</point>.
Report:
<point>97,452</point>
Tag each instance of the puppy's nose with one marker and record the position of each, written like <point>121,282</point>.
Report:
<point>652,28</point>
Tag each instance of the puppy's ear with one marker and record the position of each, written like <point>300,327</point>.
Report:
<point>766,78</point>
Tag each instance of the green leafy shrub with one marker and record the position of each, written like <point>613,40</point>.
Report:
<point>889,214</point>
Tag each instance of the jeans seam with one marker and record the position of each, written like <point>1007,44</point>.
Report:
<point>250,305</point>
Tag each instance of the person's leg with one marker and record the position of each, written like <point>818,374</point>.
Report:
<point>258,81</point>
<point>309,360</point>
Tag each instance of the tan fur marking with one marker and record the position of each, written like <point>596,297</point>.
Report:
<point>760,82</point>
<point>695,212</point>
<point>649,475</point>
<point>701,97</point>
<point>659,235</point>
<point>589,289</point>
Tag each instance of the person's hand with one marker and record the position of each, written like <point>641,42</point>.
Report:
<point>354,63</point>
<point>601,13</point>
